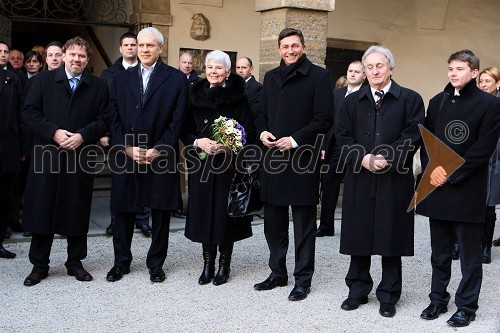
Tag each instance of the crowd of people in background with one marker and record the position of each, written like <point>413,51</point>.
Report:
<point>367,126</point>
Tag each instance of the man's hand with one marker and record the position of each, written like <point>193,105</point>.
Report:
<point>374,163</point>
<point>268,139</point>
<point>285,143</point>
<point>104,141</point>
<point>438,176</point>
<point>72,141</point>
<point>60,135</point>
<point>151,154</point>
<point>137,154</point>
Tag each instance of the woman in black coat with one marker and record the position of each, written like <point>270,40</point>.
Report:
<point>220,94</point>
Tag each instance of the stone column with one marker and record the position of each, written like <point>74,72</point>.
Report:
<point>156,12</point>
<point>310,16</point>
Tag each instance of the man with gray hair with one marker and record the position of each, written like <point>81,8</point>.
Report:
<point>147,105</point>
<point>378,132</point>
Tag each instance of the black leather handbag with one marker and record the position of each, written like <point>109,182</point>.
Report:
<point>244,195</point>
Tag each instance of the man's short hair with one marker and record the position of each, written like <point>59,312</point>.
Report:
<point>466,56</point>
<point>358,62</point>
<point>250,63</point>
<point>127,35</point>
<point>54,43</point>
<point>4,43</point>
<point>287,32</point>
<point>379,49</point>
<point>152,31</point>
<point>80,42</point>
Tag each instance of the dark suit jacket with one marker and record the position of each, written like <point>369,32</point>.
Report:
<point>10,98</point>
<point>253,90</point>
<point>154,122</point>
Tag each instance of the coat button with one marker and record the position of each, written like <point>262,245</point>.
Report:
<point>453,101</point>
<point>367,134</point>
<point>205,121</point>
<point>377,133</point>
<point>132,129</point>
<point>370,114</point>
<point>137,106</point>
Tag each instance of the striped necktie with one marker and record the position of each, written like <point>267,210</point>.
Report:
<point>378,102</point>
<point>73,83</point>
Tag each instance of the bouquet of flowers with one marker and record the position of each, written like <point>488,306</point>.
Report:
<point>228,132</point>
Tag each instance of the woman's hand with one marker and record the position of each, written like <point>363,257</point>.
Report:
<point>210,147</point>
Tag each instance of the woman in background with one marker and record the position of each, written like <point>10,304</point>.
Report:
<point>489,81</point>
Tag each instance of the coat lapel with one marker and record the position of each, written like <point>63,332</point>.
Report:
<point>134,82</point>
<point>162,72</point>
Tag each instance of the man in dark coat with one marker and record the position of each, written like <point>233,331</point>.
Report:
<point>147,107</point>
<point>293,113</point>
<point>467,120</point>
<point>331,179</point>
<point>253,88</point>
<point>66,109</point>
<point>378,132</point>
<point>10,97</point>
<point>128,50</point>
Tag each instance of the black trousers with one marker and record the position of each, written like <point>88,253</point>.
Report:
<point>124,230</point>
<point>276,225</point>
<point>360,282</point>
<point>330,187</point>
<point>8,201</point>
<point>442,240</point>
<point>41,245</point>
<point>489,225</point>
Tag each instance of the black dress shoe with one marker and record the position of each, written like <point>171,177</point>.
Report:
<point>433,311</point>
<point>35,278</point>
<point>157,274</point>
<point>109,230</point>
<point>461,319</point>
<point>496,242</point>
<point>353,303</point>
<point>486,255</point>
<point>146,230</point>
<point>6,254</point>
<point>323,233</point>
<point>299,293</point>
<point>116,273</point>
<point>271,283</point>
<point>387,310</point>
<point>81,274</point>
<point>27,234</point>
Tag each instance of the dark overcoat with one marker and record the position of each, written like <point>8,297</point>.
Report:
<point>375,220</point>
<point>207,220</point>
<point>153,121</point>
<point>253,90</point>
<point>298,106</point>
<point>463,197</point>
<point>109,73</point>
<point>60,182</point>
<point>10,97</point>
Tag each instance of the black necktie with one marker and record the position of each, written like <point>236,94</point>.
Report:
<point>378,102</point>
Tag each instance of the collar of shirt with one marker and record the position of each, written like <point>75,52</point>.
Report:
<point>79,77</point>
<point>351,90</point>
<point>30,75</point>
<point>150,69</point>
<point>248,78</point>
<point>457,92</point>
<point>126,65</point>
<point>385,89</point>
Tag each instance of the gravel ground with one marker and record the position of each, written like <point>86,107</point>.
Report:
<point>62,304</point>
